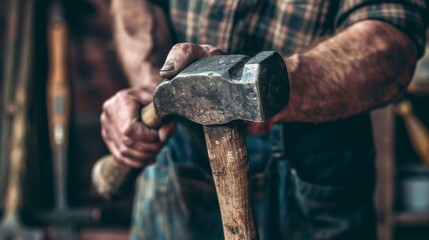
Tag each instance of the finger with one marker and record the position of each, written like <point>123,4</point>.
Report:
<point>142,95</point>
<point>105,134</point>
<point>138,144</point>
<point>103,121</point>
<point>183,54</point>
<point>120,115</point>
<point>135,157</point>
<point>130,148</point>
<point>137,131</point>
<point>166,131</point>
<point>130,155</point>
<point>117,154</point>
<point>142,146</point>
<point>113,149</point>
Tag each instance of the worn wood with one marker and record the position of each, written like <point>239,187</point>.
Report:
<point>11,226</point>
<point>58,90</point>
<point>110,176</point>
<point>230,168</point>
<point>384,134</point>
<point>149,117</point>
<point>12,44</point>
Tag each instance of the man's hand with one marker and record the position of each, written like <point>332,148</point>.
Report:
<point>143,39</point>
<point>183,54</point>
<point>127,138</point>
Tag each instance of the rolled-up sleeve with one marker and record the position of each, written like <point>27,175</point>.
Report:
<point>406,15</point>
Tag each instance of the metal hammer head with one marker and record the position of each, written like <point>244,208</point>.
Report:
<point>219,89</point>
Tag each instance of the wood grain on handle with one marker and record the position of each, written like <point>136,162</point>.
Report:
<point>230,168</point>
<point>149,117</point>
<point>419,135</point>
<point>112,178</point>
<point>58,99</point>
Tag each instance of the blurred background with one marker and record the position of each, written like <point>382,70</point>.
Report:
<point>93,74</point>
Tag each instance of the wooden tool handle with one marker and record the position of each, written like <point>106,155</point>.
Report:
<point>230,168</point>
<point>58,100</point>
<point>149,117</point>
<point>112,178</point>
<point>18,152</point>
<point>418,132</point>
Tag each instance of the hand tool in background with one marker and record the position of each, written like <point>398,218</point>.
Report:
<point>11,227</point>
<point>13,43</point>
<point>216,92</point>
<point>58,107</point>
<point>418,132</point>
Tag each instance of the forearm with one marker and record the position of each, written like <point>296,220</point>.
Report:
<point>143,40</point>
<point>363,67</point>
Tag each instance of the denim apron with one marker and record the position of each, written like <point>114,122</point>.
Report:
<point>310,181</point>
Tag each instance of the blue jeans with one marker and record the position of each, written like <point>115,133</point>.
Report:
<point>319,186</point>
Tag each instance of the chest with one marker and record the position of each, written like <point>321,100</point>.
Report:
<point>250,26</point>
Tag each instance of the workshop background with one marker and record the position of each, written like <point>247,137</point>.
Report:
<point>94,74</point>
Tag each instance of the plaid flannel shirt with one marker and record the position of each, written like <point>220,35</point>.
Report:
<point>250,26</point>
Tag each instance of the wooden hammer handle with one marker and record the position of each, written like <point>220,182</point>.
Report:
<point>112,178</point>
<point>230,168</point>
<point>149,117</point>
<point>58,100</point>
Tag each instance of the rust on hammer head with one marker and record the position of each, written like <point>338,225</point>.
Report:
<point>219,89</point>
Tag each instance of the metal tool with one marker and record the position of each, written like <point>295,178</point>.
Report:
<point>11,227</point>
<point>13,43</point>
<point>215,92</point>
<point>63,218</point>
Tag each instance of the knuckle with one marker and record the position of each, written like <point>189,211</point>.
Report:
<point>127,131</point>
<point>103,119</point>
<point>185,47</point>
<point>126,160</point>
<point>214,52</point>
<point>126,141</point>
<point>211,50</point>
<point>121,94</point>
<point>106,106</point>
<point>123,150</point>
<point>103,132</point>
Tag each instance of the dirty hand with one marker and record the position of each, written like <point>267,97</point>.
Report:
<point>127,138</point>
<point>183,54</point>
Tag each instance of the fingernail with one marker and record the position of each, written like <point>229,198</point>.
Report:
<point>168,66</point>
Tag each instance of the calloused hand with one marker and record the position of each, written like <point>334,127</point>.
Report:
<point>127,138</point>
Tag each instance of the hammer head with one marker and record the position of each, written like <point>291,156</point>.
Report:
<point>219,89</point>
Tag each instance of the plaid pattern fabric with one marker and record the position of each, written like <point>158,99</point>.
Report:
<point>250,26</point>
